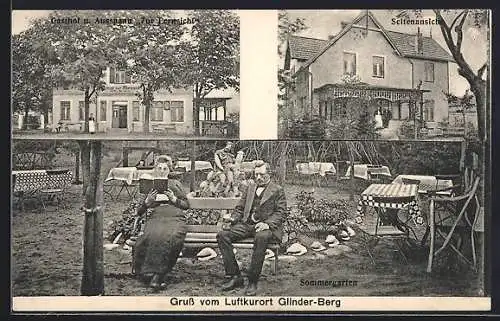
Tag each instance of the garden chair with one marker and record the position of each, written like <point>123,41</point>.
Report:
<point>452,221</point>
<point>56,186</point>
<point>388,226</point>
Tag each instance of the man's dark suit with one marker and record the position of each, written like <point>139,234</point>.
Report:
<point>269,208</point>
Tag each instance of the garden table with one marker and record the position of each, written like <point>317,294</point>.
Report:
<point>315,168</point>
<point>128,176</point>
<point>198,165</point>
<point>394,196</point>
<point>365,171</point>
<point>33,183</point>
<point>30,181</point>
<point>427,183</point>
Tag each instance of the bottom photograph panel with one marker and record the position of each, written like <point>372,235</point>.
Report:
<point>244,218</point>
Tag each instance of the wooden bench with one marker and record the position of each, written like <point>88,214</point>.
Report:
<point>163,128</point>
<point>206,235</point>
<point>198,236</point>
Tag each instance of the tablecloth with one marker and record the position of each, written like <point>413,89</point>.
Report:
<point>126,174</point>
<point>395,196</point>
<point>315,168</point>
<point>34,180</point>
<point>198,165</point>
<point>364,170</point>
<point>427,183</point>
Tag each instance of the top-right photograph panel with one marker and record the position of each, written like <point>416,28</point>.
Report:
<point>384,74</point>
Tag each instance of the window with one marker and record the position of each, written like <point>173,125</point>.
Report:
<point>339,108</point>
<point>378,66</point>
<point>65,110</point>
<point>349,63</point>
<point>103,110</point>
<point>157,111</point>
<point>429,71</point>
<point>118,76</point>
<point>429,110</point>
<point>177,111</point>
<point>136,111</point>
<point>81,110</point>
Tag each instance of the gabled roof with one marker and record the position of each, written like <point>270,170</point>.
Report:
<point>403,44</point>
<point>304,48</point>
<point>430,48</point>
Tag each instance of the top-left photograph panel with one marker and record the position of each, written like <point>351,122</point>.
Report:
<point>125,73</point>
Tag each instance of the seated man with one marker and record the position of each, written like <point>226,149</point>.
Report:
<point>259,214</point>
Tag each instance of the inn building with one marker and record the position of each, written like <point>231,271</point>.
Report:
<point>405,74</point>
<point>117,109</point>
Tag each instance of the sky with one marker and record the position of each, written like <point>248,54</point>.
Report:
<point>323,23</point>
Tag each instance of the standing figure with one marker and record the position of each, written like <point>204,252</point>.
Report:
<point>224,162</point>
<point>259,214</point>
<point>92,124</point>
<point>157,250</point>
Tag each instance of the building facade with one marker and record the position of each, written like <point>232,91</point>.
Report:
<point>118,109</point>
<point>401,74</point>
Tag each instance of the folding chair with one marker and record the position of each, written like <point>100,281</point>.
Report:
<point>387,225</point>
<point>56,186</point>
<point>448,221</point>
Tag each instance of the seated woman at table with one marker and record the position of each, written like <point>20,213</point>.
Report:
<point>157,250</point>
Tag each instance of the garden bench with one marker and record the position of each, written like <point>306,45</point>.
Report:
<point>206,235</point>
<point>163,128</point>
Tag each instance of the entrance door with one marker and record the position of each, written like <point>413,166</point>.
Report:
<point>119,116</point>
<point>123,117</point>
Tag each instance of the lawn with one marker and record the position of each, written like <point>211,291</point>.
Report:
<point>47,258</point>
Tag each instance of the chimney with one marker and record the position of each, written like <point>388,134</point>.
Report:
<point>419,42</point>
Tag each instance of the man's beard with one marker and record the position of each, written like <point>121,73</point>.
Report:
<point>262,182</point>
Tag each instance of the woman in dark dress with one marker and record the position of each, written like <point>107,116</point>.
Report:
<point>157,250</point>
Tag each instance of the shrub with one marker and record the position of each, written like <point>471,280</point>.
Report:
<point>322,214</point>
<point>202,216</point>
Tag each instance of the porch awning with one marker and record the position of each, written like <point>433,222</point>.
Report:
<point>212,102</point>
<point>332,91</point>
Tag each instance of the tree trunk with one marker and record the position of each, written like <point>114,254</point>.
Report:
<point>77,169</point>
<point>86,113</point>
<point>148,101</point>
<point>478,88</point>
<point>93,263</point>
<point>192,185</point>
<point>196,116</point>
<point>25,118</point>
<point>85,159</point>
<point>282,163</point>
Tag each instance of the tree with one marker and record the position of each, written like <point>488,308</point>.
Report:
<point>80,52</point>
<point>453,24</point>
<point>464,103</point>
<point>31,86</point>
<point>149,56</point>
<point>210,58</point>
<point>286,27</point>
